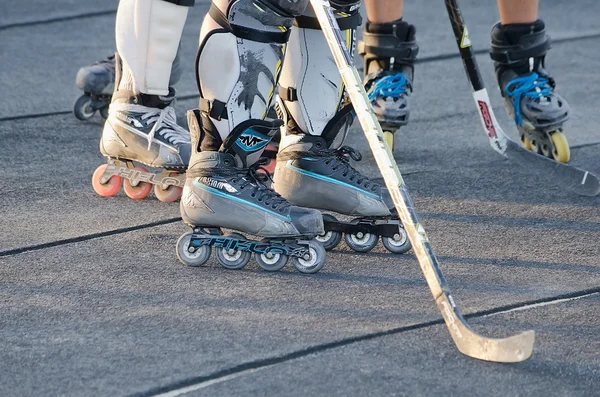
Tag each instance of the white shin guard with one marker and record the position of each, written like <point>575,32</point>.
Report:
<point>148,34</point>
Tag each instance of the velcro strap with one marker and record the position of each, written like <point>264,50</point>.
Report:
<point>244,32</point>
<point>350,22</point>
<point>512,54</point>
<point>186,3</point>
<point>216,109</point>
<point>287,94</point>
<point>406,51</point>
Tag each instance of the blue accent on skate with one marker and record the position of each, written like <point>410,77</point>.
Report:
<point>533,86</point>
<point>217,192</point>
<point>327,179</point>
<point>251,141</point>
<point>389,86</point>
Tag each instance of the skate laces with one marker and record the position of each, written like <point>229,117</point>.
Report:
<point>532,86</point>
<point>253,177</point>
<point>164,118</point>
<point>340,158</point>
<point>393,86</point>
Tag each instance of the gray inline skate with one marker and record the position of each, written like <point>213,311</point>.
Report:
<point>312,172</point>
<point>97,82</point>
<point>224,189</point>
<point>389,51</point>
<point>519,52</point>
<point>142,128</point>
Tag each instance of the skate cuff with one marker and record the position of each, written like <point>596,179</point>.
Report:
<point>511,54</point>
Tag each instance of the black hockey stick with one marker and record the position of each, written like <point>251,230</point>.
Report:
<point>513,349</point>
<point>572,178</point>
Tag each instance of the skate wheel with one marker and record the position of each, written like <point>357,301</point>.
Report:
<point>314,260</point>
<point>271,262</point>
<point>389,139</point>
<point>170,194</point>
<point>361,242</point>
<point>104,112</point>
<point>108,189</point>
<point>82,108</point>
<point>139,192</point>
<point>525,142</point>
<point>399,243</point>
<point>194,259</point>
<point>561,152</point>
<point>330,239</point>
<point>233,258</point>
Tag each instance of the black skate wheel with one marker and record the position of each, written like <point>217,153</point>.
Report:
<point>330,239</point>
<point>232,258</point>
<point>314,261</point>
<point>399,243</point>
<point>271,262</point>
<point>361,242</point>
<point>194,259</point>
<point>82,108</point>
<point>104,112</point>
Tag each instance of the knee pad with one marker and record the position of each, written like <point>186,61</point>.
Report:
<point>148,34</point>
<point>311,91</point>
<point>238,65</point>
<point>389,46</point>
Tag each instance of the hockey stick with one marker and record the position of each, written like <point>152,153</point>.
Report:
<point>513,349</point>
<point>572,178</point>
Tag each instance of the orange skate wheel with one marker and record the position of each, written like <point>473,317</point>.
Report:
<point>109,188</point>
<point>139,192</point>
<point>170,194</point>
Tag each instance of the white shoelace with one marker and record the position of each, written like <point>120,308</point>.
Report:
<point>173,132</point>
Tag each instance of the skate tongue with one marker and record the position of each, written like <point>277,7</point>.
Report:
<point>249,139</point>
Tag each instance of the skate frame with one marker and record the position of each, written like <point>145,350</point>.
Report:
<point>572,178</point>
<point>513,349</point>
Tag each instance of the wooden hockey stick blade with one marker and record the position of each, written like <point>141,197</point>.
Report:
<point>513,349</point>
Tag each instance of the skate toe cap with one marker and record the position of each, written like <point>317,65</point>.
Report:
<point>308,222</point>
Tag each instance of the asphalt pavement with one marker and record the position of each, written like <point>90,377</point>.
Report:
<point>94,302</point>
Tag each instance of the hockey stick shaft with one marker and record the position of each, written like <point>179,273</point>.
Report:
<point>511,349</point>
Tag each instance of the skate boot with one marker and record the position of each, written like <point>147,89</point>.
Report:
<point>97,82</point>
<point>389,51</point>
<point>142,128</point>
<point>224,189</point>
<point>311,172</point>
<point>519,52</point>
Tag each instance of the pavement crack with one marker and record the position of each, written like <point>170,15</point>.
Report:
<point>199,382</point>
<point>87,237</point>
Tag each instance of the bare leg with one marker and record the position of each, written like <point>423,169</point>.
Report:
<point>516,11</point>
<point>382,11</point>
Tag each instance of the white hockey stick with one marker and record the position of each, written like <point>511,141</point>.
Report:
<point>513,349</point>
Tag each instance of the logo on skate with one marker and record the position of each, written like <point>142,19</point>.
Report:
<point>487,119</point>
<point>251,140</point>
<point>217,184</point>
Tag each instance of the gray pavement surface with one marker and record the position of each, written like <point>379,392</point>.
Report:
<point>95,303</point>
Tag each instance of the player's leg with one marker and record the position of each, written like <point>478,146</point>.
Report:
<point>313,168</point>
<point>141,125</point>
<point>389,50</point>
<point>519,48</point>
<point>242,45</point>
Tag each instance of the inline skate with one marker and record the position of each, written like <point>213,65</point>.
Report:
<point>97,82</point>
<point>389,51</point>
<point>224,189</point>
<point>312,172</point>
<point>519,53</point>
<point>142,128</point>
